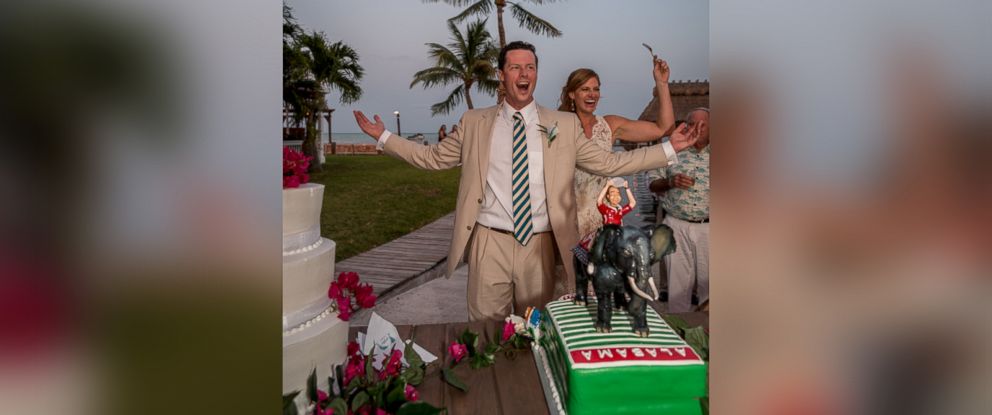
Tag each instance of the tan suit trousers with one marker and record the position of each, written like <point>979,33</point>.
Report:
<point>505,277</point>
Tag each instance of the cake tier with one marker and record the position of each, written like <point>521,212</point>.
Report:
<point>306,277</point>
<point>301,216</point>
<point>319,343</point>
<point>619,372</point>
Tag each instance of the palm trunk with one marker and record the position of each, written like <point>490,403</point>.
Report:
<point>468,95</point>
<point>310,143</point>
<point>500,93</point>
<point>500,4</point>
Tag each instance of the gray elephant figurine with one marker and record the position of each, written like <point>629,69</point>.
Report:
<point>621,259</point>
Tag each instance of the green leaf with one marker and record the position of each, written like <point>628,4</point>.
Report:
<point>699,341</point>
<point>330,388</point>
<point>396,396</point>
<point>492,348</point>
<point>339,405</point>
<point>361,399</point>
<point>677,323</point>
<point>412,357</point>
<point>369,370</point>
<point>418,408</point>
<point>288,406</point>
<point>471,341</point>
<point>413,375</point>
<point>450,377</point>
<point>312,385</point>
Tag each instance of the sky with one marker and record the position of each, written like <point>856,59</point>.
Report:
<point>390,38</point>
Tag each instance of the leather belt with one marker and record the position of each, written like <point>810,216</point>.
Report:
<point>504,231</point>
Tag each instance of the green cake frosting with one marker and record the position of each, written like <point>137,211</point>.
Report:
<point>619,372</point>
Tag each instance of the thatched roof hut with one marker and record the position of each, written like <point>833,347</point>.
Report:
<point>686,95</point>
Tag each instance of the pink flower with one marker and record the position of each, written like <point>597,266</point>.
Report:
<point>364,296</point>
<point>379,411</point>
<point>508,330</point>
<point>328,411</point>
<point>294,168</point>
<point>411,393</point>
<point>355,368</point>
<point>321,396</point>
<point>457,351</point>
<point>344,313</point>
<point>393,366</point>
<point>348,280</point>
<point>353,349</point>
<point>334,291</point>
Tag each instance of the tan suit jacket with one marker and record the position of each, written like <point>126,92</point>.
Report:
<point>570,149</point>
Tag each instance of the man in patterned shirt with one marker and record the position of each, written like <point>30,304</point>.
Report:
<point>684,192</point>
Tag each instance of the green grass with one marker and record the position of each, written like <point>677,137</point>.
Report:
<point>371,200</point>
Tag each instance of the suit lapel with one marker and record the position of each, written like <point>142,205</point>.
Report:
<point>484,132</point>
<point>548,120</point>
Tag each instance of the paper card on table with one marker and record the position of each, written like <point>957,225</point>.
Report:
<point>380,340</point>
<point>426,356</point>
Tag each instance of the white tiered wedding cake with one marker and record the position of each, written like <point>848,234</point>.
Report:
<point>312,334</point>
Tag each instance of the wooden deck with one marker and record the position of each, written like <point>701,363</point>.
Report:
<point>404,262</point>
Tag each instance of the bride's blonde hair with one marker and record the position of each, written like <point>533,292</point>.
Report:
<point>575,80</point>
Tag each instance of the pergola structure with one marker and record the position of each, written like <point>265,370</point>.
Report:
<point>293,132</point>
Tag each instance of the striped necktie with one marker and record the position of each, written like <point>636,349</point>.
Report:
<point>523,228</point>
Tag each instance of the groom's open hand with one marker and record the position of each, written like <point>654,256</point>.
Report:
<point>683,137</point>
<point>373,130</point>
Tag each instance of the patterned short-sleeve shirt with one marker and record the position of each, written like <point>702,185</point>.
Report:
<point>613,215</point>
<point>692,203</point>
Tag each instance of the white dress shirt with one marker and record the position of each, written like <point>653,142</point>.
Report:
<point>497,204</point>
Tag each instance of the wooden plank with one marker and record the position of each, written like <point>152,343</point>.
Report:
<point>480,398</point>
<point>518,387</point>
<point>432,338</point>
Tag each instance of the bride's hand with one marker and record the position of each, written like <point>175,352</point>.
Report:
<point>661,70</point>
<point>683,137</point>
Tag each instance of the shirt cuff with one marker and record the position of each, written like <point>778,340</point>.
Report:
<point>382,139</point>
<point>670,154</point>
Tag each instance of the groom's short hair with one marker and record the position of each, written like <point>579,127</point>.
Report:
<point>516,44</point>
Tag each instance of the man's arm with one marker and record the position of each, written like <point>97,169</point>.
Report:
<point>443,155</point>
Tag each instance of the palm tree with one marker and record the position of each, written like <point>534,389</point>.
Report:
<point>526,19</point>
<point>469,60</point>
<point>312,68</point>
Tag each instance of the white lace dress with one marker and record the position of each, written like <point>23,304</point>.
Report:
<point>588,186</point>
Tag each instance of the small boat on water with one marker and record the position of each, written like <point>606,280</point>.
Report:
<point>418,138</point>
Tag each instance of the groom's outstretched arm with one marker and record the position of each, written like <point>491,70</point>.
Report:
<point>444,155</point>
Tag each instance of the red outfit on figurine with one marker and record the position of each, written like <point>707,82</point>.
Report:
<point>612,212</point>
<point>613,215</point>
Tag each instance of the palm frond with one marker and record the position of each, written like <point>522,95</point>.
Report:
<point>533,23</point>
<point>436,76</point>
<point>488,86</point>
<point>456,3</point>
<point>481,8</point>
<point>446,106</point>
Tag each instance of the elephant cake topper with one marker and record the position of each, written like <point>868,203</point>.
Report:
<point>620,268</point>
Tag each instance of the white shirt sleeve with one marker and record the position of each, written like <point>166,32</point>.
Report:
<point>385,136</point>
<point>673,157</point>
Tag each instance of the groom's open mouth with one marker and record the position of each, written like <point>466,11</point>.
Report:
<point>522,87</point>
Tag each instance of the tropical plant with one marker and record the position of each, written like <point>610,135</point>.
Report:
<point>469,60</point>
<point>312,68</point>
<point>526,19</point>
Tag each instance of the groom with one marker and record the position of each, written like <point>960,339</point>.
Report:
<point>515,213</point>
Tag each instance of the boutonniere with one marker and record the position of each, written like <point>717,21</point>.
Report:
<point>551,133</point>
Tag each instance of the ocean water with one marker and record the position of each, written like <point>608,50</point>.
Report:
<point>362,138</point>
